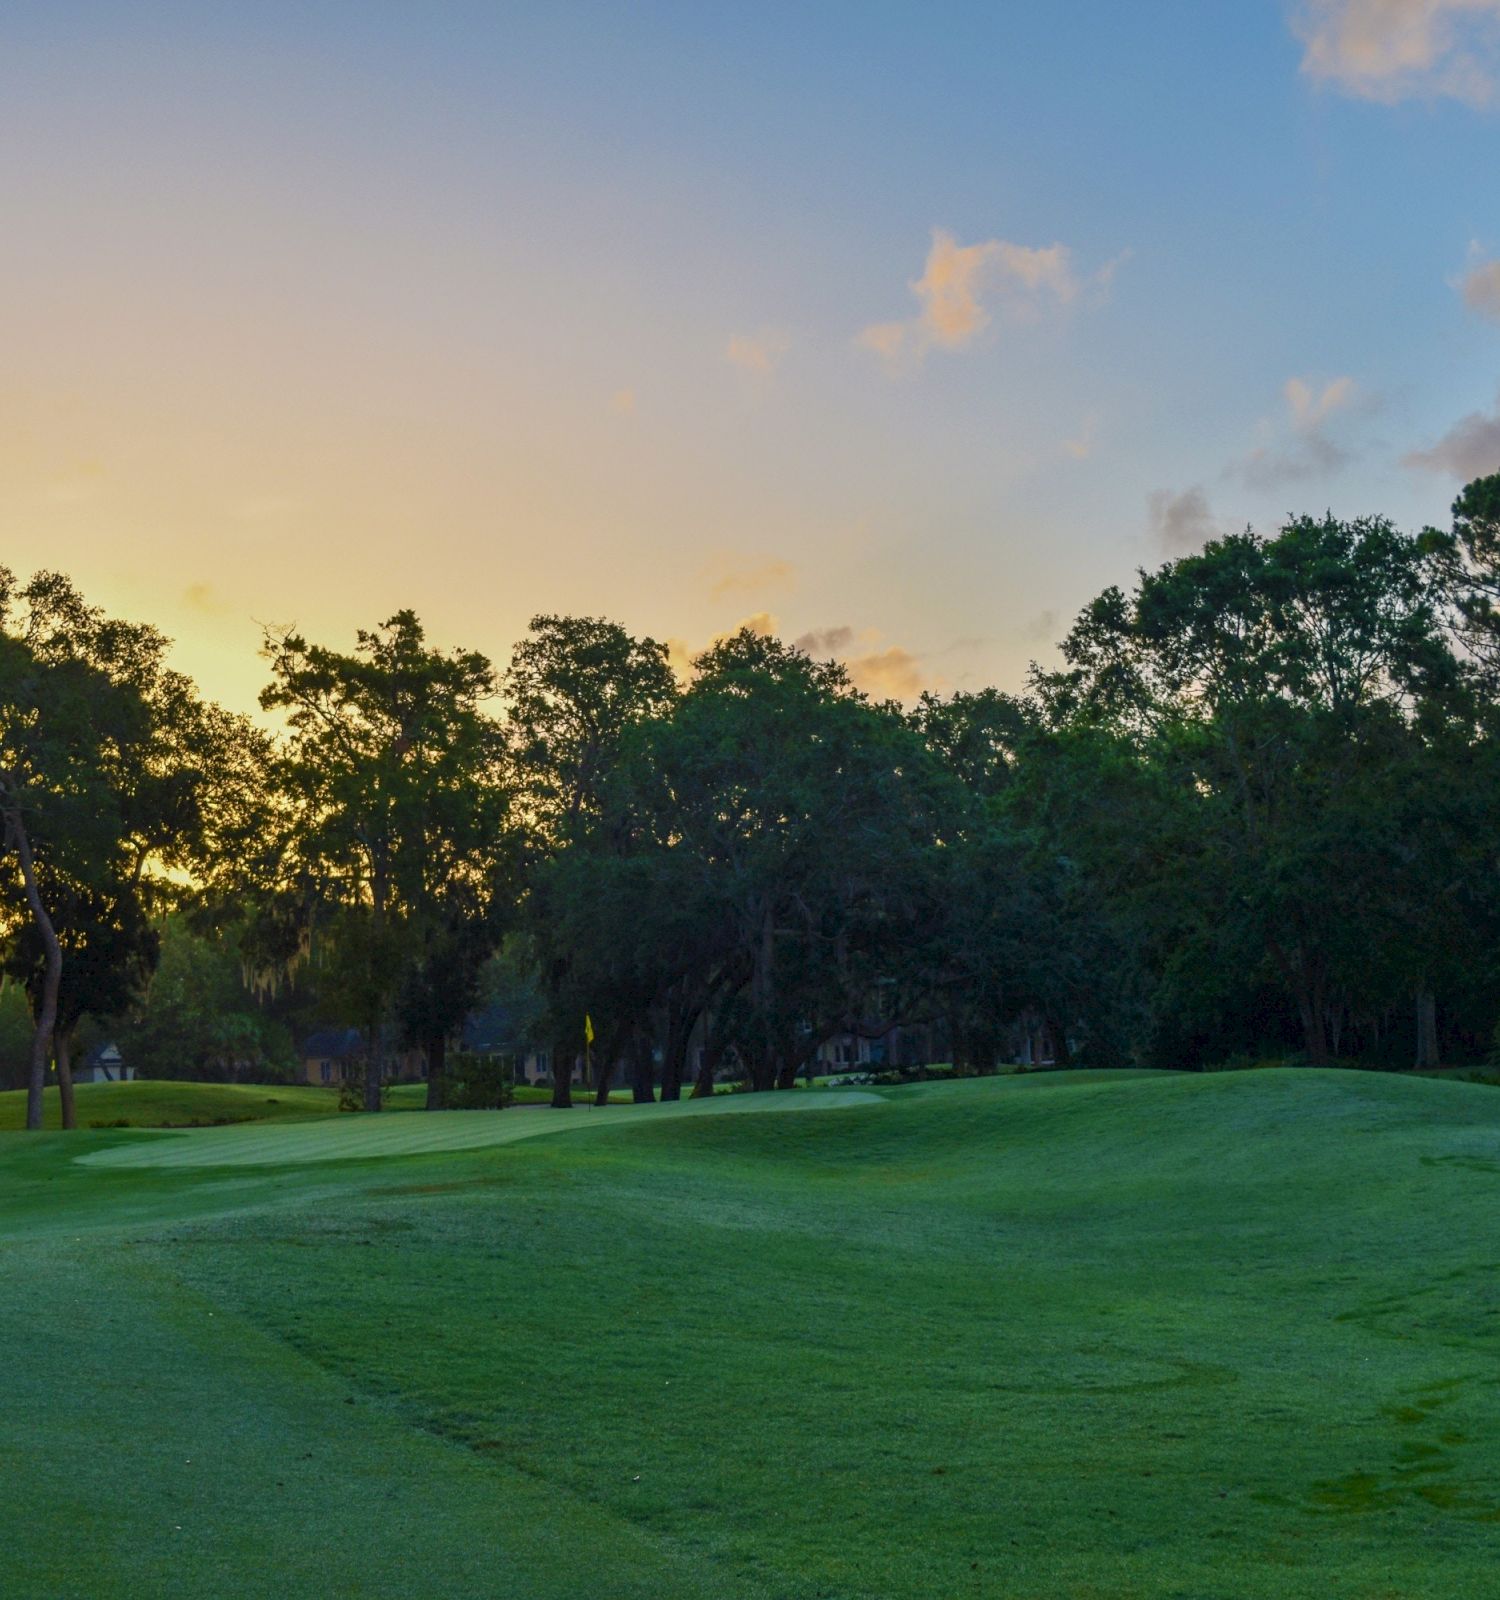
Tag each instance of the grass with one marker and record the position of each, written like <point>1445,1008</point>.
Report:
<point>163,1104</point>
<point>1108,1337</point>
<point>158,1104</point>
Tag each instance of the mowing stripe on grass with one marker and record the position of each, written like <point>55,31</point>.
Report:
<point>359,1138</point>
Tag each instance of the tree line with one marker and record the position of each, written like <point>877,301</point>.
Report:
<point>1252,813</point>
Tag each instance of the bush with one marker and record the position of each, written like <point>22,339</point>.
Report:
<point>479,1083</point>
<point>352,1090</point>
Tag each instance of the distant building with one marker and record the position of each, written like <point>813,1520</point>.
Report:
<point>103,1064</point>
<point>332,1054</point>
<point>497,1031</point>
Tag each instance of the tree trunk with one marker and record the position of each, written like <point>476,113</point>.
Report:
<point>562,1078</point>
<point>1306,983</point>
<point>958,1048</point>
<point>674,1057</point>
<point>703,1084</point>
<point>604,1068</point>
<point>437,1071</point>
<point>62,1045</point>
<point>642,1070</point>
<point>1311,1013</point>
<point>46,1018</point>
<point>1427,1034</point>
<point>374,1068</point>
<point>763,1069</point>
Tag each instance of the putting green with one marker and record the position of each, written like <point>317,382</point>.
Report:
<point>365,1138</point>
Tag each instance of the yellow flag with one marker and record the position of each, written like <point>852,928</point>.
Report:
<point>588,1028</point>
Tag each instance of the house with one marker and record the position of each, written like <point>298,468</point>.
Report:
<point>332,1054</point>
<point>103,1064</point>
<point>498,1030</point>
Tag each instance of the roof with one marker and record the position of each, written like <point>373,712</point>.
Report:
<point>333,1044</point>
<point>495,1027</point>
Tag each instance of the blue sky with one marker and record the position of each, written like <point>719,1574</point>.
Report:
<point>904,329</point>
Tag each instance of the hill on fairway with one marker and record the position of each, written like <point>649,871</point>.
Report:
<point>1129,1337</point>
<point>163,1104</point>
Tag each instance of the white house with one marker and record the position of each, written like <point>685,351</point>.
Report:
<point>103,1064</point>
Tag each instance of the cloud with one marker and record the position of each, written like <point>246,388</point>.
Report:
<point>739,579</point>
<point>622,402</point>
<point>1393,50</point>
<point>760,353</point>
<point>1183,522</point>
<point>824,642</point>
<point>1310,453</point>
<point>892,673</point>
<point>1043,626</point>
<point>957,281</point>
<point>1469,449</point>
<point>681,654</point>
<point>1309,408</point>
<point>79,484</point>
<point>204,598</point>
<point>884,338</point>
<point>1082,447</point>
<point>1313,456</point>
<point>889,673</point>
<point>1480,287</point>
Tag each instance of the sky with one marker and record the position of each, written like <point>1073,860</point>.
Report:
<point>900,329</point>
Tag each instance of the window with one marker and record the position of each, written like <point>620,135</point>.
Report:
<point>327,1070</point>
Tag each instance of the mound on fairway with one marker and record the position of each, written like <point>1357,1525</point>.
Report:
<point>363,1138</point>
<point>1110,1338</point>
<point>158,1104</point>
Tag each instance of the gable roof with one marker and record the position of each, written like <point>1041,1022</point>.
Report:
<point>333,1044</point>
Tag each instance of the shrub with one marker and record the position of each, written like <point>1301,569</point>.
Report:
<point>479,1083</point>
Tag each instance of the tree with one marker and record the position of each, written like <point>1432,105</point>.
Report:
<point>575,686</point>
<point>114,776</point>
<point>393,803</point>
<point>1270,681</point>
<point>196,1018</point>
<point>767,842</point>
<point>1468,558</point>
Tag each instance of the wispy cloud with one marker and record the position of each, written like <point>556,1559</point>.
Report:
<point>1311,407</point>
<point>1469,449</point>
<point>892,673</point>
<point>1181,521</point>
<point>1480,286</point>
<point>732,575</point>
<point>1393,50</point>
<point>824,642</point>
<point>1302,448</point>
<point>1081,446</point>
<point>82,483</point>
<point>759,353</point>
<point>204,599</point>
<point>681,654</point>
<point>960,283</point>
<point>887,673</point>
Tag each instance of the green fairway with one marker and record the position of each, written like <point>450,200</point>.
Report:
<point>1054,1337</point>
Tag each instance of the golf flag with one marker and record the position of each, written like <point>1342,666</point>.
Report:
<point>588,1028</point>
